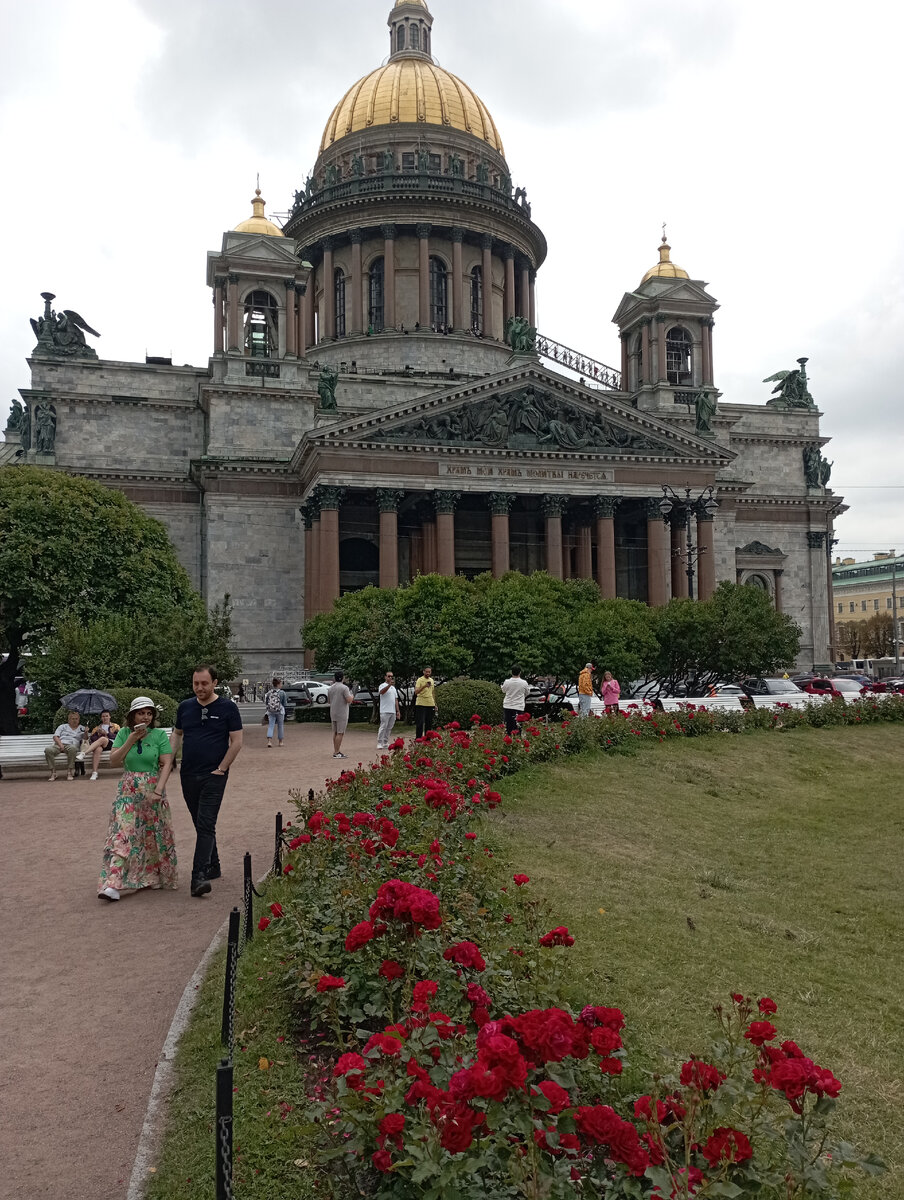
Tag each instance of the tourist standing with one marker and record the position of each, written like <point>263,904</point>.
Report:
<point>611,691</point>
<point>389,710</point>
<point>585,689</point>
<point>340,697</point>
<point>514,692</point>
<point>67,739</point>
<point>424,703</point>
<point>209,728</point>
<point>140,850</point>
<point>275,702</point>
<point>100,739</point>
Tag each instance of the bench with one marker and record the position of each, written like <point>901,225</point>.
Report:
<point>791,700</point>
<point>641,705</point>
<point>711,703</point>
<point>27,750</point>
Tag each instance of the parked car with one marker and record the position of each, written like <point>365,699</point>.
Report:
<point>836,687</point>
<point>771,687</point>
<point>317,693</point>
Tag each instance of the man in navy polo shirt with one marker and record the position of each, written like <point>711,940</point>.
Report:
<point>211,727</point>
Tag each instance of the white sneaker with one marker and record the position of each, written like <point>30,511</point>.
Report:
<point>109,893</point>
<point>93,774</point>
<point>80,757</point>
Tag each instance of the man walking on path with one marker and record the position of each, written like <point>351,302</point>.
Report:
<point>340,697</point>
<point>514,692</point>
<point>389,710</point>
<point>585,690</point>
<point>209,729</point>
<point>425,703</point>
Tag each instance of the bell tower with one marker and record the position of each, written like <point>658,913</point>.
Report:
<point>410,29</point>
<point>666,329</point>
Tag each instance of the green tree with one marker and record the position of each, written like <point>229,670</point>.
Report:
<point>620,636</point>
<point>879,636</point>
<point>73,548</point>
<point>850,637</point>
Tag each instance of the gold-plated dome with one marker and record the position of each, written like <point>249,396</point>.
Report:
<point>258,223</point>
<point>411,90</point>
<point>665,268</point>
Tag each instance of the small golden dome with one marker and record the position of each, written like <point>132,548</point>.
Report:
<point>258,223</point>
<point>665,268</point>
<point>411,91</point>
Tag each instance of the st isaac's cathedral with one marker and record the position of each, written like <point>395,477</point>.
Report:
<point>378,401</point>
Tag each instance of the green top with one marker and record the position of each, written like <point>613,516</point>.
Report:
<point>153,744</point>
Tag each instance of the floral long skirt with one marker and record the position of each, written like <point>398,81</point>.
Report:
<point>140,850</point>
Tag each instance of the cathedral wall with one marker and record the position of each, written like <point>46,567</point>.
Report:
<point>94,435</point>
<point>255,552</point>
<point>183,524</point>
<point>254,425</point>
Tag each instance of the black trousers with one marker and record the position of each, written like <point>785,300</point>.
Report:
<point>423,719</point>
<point>511,719</point>
<point>203,795</point>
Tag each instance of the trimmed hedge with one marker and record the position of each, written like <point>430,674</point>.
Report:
<point>461,699</point>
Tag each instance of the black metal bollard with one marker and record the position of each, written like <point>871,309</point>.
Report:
<point>224,1129</point>
<point>277,851</point>
<point>227,1033</point>
<point>248,895</point>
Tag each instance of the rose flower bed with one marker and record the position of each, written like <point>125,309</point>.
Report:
<point>451,1063</point>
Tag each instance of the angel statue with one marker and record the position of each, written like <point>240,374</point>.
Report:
<point>792,388</point>
<point>63,332</point>
<point>326,389</point>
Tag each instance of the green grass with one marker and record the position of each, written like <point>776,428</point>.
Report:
<point>769,864</point>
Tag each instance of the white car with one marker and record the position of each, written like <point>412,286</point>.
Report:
<point>319,692</point>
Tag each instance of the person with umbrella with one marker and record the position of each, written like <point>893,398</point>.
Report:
<point>85,701</point>
<point>99,739</point>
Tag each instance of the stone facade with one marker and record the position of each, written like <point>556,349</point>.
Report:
<point>363,417</point>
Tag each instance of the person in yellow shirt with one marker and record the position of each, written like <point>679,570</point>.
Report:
<point>585,690</point>
<point>424,703</point>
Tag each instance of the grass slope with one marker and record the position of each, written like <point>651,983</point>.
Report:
<point>769,864</point>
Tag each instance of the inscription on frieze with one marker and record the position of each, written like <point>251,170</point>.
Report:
<point>501,471</point>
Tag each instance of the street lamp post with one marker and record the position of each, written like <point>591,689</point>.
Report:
<point>686,504</point>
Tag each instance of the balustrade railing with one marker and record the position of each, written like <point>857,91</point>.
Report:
<point>594,373</point>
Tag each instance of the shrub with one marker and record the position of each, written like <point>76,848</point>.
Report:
<point>461,699</point>
<point>124,697</point>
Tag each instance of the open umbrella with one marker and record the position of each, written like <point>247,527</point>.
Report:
<point>88,700</point>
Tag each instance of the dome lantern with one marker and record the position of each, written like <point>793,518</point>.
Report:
<point>410,29</point>
<point>665,268</point>
<point>258,222</point>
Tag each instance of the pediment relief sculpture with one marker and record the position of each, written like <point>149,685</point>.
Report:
<point>758,548</point>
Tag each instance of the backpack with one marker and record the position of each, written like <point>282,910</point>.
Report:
<point>273,702</point>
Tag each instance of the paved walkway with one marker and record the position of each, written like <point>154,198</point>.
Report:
<point>88,989</point>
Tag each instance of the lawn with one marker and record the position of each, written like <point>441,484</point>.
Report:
<point>769,864</point>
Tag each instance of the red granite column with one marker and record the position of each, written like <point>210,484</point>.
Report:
<point>552,508</point>
<point>219,323</point>
<point>315,605</point>
<point>329,297</point>
<point>500,507</point>
<point>706,562</point>
<point>445,503</point>
<point>429,533</point>
<point>330,500</point>
<point>388,502</point>
<point>417,553</point>
<point>233,336</point>
<point>357,236</point>
<point>423,234</point>
<point>508,307</point>
<point>307,511</point>
<point>389,296</point>
<point>487,274</point>
<point>585,552</point>
<point>459,317</point>
<point>679,555</point>
<point>291,318</point>
<point>566,555</point>
<point>604,509</point>
<point>658,588</point>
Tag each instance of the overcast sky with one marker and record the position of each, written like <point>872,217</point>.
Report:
<point>765,132</point>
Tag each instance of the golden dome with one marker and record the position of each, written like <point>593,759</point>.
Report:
<point>411,90</point>
<point>258,223</point>
<point>665,268</point>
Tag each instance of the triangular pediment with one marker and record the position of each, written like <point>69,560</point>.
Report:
<point>527,411</point>
<point>259,247</point>
<point>664,295</point>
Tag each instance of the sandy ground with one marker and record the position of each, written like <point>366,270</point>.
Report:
<point>88,989</point>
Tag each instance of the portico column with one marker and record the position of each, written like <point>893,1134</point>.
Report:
<point>525,291</point>
<point>300,296</point>
<point>679,556</point>
<point>357,236</point>
<point>291,319</point>
<point>708,374</point>
<point>533,299</point>
<point>625,381</point>
<point>500,506</point>
<point>662,372</point>
<point>458,291</point>
<point>233,345</point>
<point>315,605</point>
<point>445,503</point>
<point>307,513</point>
<point>566,554</point>
<point>388,502</point>
<point>330,499</point>
<point>389,305</point>
<point>646,367</point>
<point>219,285</point>
<point>657,556</point>
<point>329,294</point>
<point>706,563</point>
<point>604,509</point>
<point>487,273</point>
<point>429,535</point>
<point>585,550</point>
<point>508,309</point>
<point>310,305</point>
<point>423,234</point>
<point>552,508</point>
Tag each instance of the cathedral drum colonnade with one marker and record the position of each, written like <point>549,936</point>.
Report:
<point>379,402</point>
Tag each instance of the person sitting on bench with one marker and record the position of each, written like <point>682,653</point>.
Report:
<point>67,739</point>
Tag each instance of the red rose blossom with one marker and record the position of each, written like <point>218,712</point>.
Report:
<point>359,936</point>
<point>767,1007</point>
<point>276,910</point>
<point>263,923</point>
<point>701,1075</point>
<point>557,937</point>
<point>466,954</point>
<point>329,983</point>
<point>391,969</point>
<point>727,1146</point>
<point>521,880</point>
<point>759,1032</point>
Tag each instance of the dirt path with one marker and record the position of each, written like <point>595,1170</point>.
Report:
<point>88,989</point>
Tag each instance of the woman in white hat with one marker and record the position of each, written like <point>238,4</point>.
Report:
<point>140,849</point>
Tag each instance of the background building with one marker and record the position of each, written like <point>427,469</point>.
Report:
<point>376,403</point>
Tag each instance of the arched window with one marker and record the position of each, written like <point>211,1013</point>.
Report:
<point>401,38</point>
<point>638,358</point>
<point>415,37</point>
<point>678,356</point>
<point>439,287</point>
<point>339,300</point>
<point>375,282</point>
<point>261,325</point>
<point>477,300</point>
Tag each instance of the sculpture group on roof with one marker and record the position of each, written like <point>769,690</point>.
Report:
<point>62,332</point>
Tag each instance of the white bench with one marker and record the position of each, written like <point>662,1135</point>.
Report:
<point>27,750</point>
<point>641,705</point>
<point>722,703</point>
<point>790,700</point>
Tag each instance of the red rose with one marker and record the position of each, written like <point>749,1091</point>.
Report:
<point>601,1125</point>
<point>557,937</point>
<point>605,1040</point>
<point>701,1075</point>
<point>347,1063</point>
<point>471,837</point>
<point>382,1160</point>
<point>727,1146</point>
<point>359,936</point>
<point>767,1007</point>
<point>277,910</point>
<point>466,954</point>
<point>263,923</point>
<point>643,1109</point>
<point>759,1032</point>
<point>391,969</point>
<point>521,880</point>
<point>386,1043</point>
<point>423,993</point>
<point>329,983</point>
<point>611,1066</point>
<point>558,1098</point>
